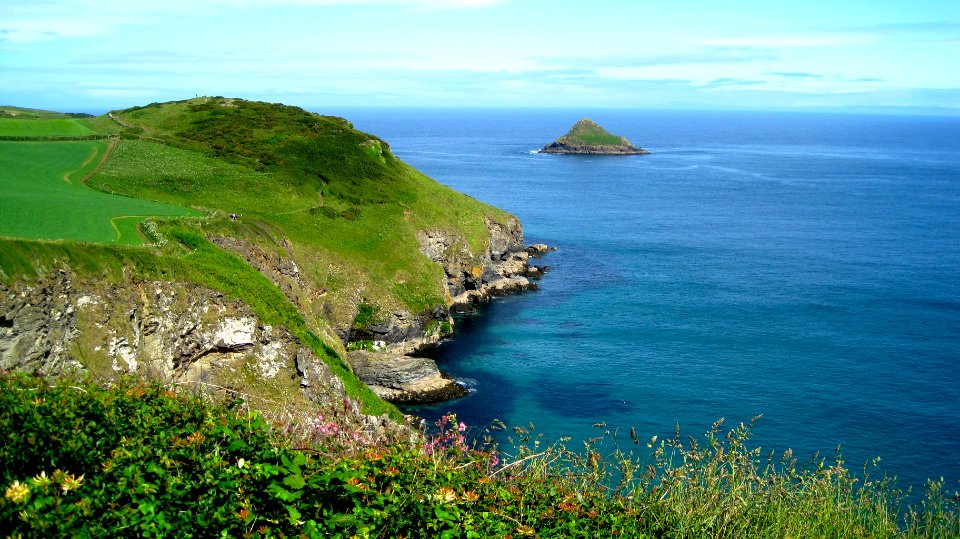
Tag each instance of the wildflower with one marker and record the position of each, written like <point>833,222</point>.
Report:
<point>356,483</point>
<point>470,496</point>
<point>567,506</point>
<point>41,479</point>
<point>462,426</point>
<point>17,492</point>
<point>71,482</point>
<point>446,495</point>
<point>240,463</point>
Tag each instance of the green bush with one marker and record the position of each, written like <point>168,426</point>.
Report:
<point>81,459</point>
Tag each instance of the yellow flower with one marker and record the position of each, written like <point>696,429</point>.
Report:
<point>17,492</point>
<point>526,531</point>
<point>71,483</point>
<point>41,479</point>
<point>447,494</point>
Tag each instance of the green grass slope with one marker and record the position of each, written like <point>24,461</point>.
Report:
<point>42,197</point>
<point>18,123</point>
<point>350,208</point>
<point>587,132</point>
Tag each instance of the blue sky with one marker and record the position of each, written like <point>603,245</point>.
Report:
<point>879,55</point>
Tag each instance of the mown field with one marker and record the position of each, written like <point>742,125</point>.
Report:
<point>44,128</point>
<point>42,197</point>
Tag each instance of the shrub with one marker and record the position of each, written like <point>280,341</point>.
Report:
<point>81,459</point>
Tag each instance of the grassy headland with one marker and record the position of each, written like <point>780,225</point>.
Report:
<point>307,188</point>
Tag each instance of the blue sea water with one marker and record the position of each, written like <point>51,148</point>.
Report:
<point>805,267</point>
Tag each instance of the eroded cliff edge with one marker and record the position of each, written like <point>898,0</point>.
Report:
<point>391,366</point>
<point>197,337</point>
<point>177,333</point>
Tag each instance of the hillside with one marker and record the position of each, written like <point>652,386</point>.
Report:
<point>306,237</point>
<point>586,137</point>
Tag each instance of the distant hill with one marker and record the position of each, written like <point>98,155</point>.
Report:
<point>588,138</point>
<point>36,114</point>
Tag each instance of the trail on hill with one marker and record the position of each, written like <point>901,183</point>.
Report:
<point>106,155</point>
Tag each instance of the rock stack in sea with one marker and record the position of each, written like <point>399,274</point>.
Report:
<point>588,138</point>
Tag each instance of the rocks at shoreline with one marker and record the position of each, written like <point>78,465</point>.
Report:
<point>404,379</point>
<point>393,370</point>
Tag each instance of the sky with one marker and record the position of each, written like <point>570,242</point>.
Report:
<point>837,55</point>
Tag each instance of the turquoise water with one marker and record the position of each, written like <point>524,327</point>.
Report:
<point>800,266</point>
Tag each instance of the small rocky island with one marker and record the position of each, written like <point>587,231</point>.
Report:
<point>588,138</point>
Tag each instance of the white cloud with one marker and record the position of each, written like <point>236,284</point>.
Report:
<point>794,41</point>
<point>39,20</point>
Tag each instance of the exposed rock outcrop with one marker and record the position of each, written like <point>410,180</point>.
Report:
<point>406,333</point>
<point>501,270</point>
<point>404,379</point>
<point>393,372</point>
<point>179,333</point>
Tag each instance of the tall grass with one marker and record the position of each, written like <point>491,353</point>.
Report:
<point>137,459</point>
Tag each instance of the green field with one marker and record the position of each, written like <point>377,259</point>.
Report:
<point>41,196</point>
<point>60,127</point>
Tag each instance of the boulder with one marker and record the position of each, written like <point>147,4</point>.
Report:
<point>404,379</point>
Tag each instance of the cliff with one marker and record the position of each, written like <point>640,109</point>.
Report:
<point>588,138</point>
<point>320,258</point>
<point>183,334</point>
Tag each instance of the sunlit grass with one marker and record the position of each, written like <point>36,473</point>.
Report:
<point>42,197</point>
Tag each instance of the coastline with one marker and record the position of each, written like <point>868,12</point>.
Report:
<point>395,367</point>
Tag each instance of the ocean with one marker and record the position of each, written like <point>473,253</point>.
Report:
<point>797,266</point>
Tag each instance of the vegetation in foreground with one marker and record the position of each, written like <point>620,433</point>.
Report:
<point>134,459</point>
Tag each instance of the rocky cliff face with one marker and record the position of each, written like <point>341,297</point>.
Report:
<point>502,269</point>
<point>558,147</point>
<point>391,371</point>
<point>196,337</point>
<point>178,333</point>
